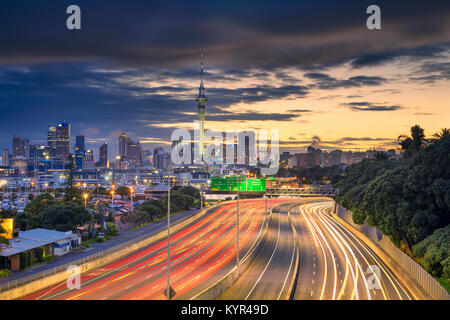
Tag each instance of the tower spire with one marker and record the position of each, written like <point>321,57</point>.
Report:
<point>201,104</point>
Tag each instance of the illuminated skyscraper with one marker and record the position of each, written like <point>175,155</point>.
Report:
<point>58,140</point>
<point>21,148</point>
<point>79,151</point>
<point>124,143</point>
<point>103,162</point>
<point>201,102</point>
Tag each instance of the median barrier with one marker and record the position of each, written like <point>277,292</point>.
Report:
<point>218,288</point>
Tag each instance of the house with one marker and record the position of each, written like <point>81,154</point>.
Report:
<point>52,242</point>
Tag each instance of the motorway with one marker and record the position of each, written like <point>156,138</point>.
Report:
<point>269,275</point>
<point>333,263</point>
<point>201,253</point>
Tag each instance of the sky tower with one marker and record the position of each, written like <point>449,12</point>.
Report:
<point>201,102</point>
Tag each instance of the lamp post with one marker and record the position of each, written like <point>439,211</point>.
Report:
<point>201,199</point>
<point>169,289</point>
<point>131,196</point>
<point>85,196</point>
<point>112,197</point>
<point>237,224</point>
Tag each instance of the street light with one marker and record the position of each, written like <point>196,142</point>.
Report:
<point>85,196</point>
<point>131,196</point>
<point>237,224</point>
<point>112,196</point>
<point>169,289</point>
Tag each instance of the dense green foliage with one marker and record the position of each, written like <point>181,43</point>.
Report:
<point>408,199</point>
<point>63,217</point>
<point>182,198</point>
<point>2,239</point>
<point>124,192</point>
<point>73,195</point>
<point>435,251</point>
<point>5,273</point>
<point>314,174</point>
<point>30,218</point>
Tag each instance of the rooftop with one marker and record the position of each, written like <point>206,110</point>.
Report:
<point>31,239</point>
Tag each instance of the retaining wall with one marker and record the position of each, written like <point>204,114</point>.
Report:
<point>407,269</point>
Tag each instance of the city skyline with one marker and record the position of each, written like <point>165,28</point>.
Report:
<point>318,80</point>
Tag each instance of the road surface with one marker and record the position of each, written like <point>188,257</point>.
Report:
<point>269,276</point>
<point>201,253</point>
<point>335,264</point>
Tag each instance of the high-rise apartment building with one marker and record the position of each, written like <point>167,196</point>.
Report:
<point>20,148</point>
<point>79,151</point>
<point>103,161</point>
<point>58,140</point>
<point>5,158</point>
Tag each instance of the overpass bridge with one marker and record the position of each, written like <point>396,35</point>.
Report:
<point>276,192</point>
<point>302,192</point>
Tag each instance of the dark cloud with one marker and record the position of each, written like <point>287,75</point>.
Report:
<point>363,139</point>
<point>414,54</point>
<point>276,34</point>
<point>253,117</point>
<point>432,72</point>
<point>368,106</point>
<point>98,78</point>
<point>324,81</point>
<point>299,110</point>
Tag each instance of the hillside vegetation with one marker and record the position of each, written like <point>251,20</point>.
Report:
<point>408,200</point>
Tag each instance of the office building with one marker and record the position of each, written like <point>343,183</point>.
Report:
<point>79,151</point>
<point>5,158</point>
<point>103,161</point>
<point>58,141</point>
<point>20,148</point>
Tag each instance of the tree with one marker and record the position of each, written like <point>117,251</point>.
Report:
<point>39,204</point>
<point>443,134</point>
<point>110,218</point>
<point>191,191</point>
<point>3,239</point>
<point>64,217</point>
<point>435,252</point>
<point>73,195</point>
<point>413,144</point>
<point>111,228</point>
<point>407,200</point>
<point>123,191</point>
<point>179,201</point>
<point>379,155</point>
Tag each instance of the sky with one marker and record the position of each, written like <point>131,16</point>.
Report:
<point>310,69</point>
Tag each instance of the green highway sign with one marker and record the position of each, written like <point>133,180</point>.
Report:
<point>228,183</point>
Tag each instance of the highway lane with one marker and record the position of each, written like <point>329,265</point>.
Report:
<point>334,263</point>
<point>201,254</point>
<point>269,275</point>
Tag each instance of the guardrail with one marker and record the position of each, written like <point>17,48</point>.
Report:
<point>40,275</point>
<point>307,192</point>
